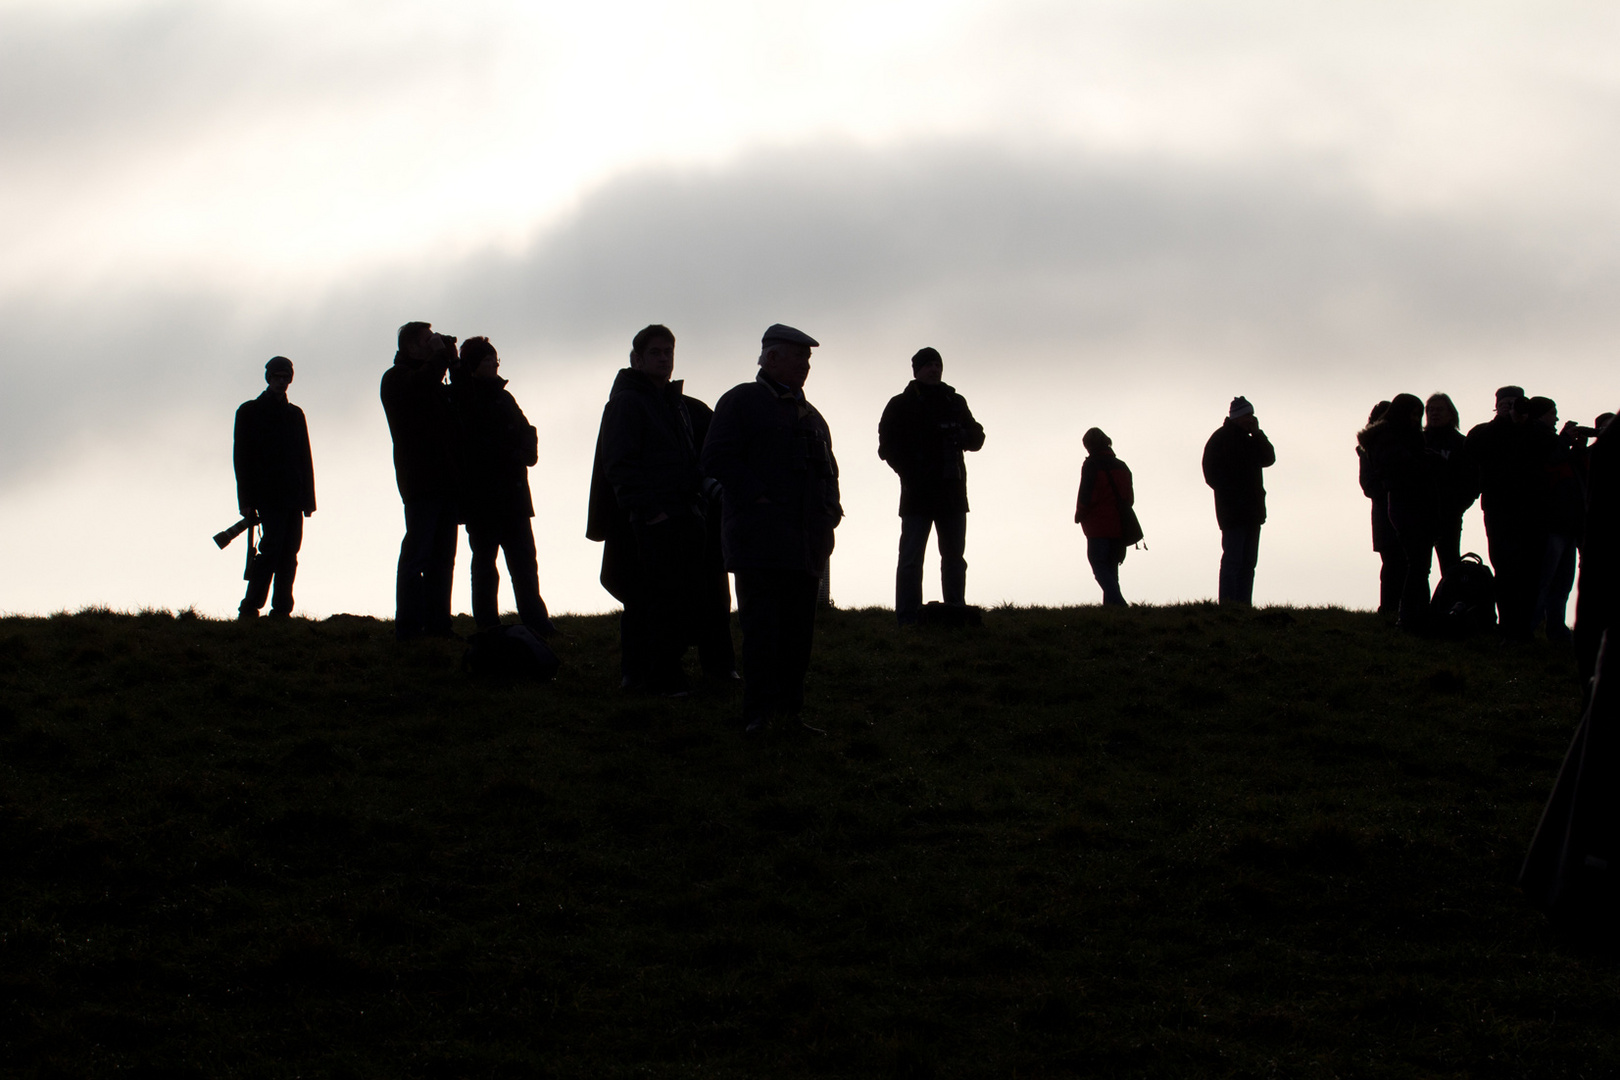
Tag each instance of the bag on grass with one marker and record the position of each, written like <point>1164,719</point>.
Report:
<point>935,613</point>
<point>1465,600</point>
<point>509,652</point>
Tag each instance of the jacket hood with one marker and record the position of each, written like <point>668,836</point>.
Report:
<point>922,389</point>
<point>631,381</point>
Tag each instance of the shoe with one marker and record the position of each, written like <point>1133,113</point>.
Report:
<point>274,614</point>
<point>247,614</point>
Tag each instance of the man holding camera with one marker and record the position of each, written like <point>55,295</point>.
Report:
<point>922,435</point>
<point>275,483</point>
<point>771,452</point>
<point>1233,459</point>
<point>417,403</point>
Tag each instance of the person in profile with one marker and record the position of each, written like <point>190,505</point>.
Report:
<point>1400,466</point>
<point>772,454</point>
<point>1565,517</point>
<point>1510,498</point>
<point>1233,459</point>
<point>1456,479</point>
<point>1597,596</point>
<point>922,435</point>
<point>1392,564</point>
<point>417,403</point>
<point>648,510</point>
<point>275,483</point>
<point>1102,511</point>
<point>496,446</point>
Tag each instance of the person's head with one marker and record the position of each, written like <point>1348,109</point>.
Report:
<point>278,373</point>
<point>652,352</point>
<point>1543,411</point>
<point>1377,413</point>
<point>1439,412</point>
<point>415,339</point>
<point>1405,410</point>
<point>785,355</point>
<point>479,359</point>
<point>1506,398</point>
<point>927,366</point>
<point>1602,421</point>
<point>1096,442</point>
<point>1241,413</point>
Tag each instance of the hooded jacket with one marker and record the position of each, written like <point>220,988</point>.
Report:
<point>1233,459</point>
<point>495,446</point>
<point>922,435</point>
<point>274,468</point>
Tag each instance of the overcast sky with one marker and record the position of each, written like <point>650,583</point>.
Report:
<point>1111,214</point>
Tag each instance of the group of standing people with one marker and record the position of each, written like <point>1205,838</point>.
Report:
<point>1544,491</point>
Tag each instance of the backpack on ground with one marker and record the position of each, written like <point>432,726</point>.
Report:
<point>1465,600</point>
<point>509,652</point>
<point>935,613</point>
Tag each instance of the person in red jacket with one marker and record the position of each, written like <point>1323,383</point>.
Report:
<point>1105,488</point>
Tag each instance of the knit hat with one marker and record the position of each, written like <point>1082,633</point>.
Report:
<point>278,364</point>
<point>926,355</point>
<point>1240,407</point>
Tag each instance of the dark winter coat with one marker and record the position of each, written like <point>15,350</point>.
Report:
<point>1233,458</point>
<point>274,468</point>
<point>1456,473</point>
<point>772,454</point>
<point>1401,466</point>
<point>1105,486</point>
<point>1372,486</point>
<point>495,446</point>
<point>922,435</point>
<point>422,424</point>
<point>646,456</point>
<point>1511,459</point>
<point>1566,486</point>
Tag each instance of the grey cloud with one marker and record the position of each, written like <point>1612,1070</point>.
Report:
<point>1029,255</point>
<point>171,73</point>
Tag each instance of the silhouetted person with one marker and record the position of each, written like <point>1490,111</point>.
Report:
<point>1565,513</point>
<point>1400,465</point>
<point>772,454</point>
<point>1233,459</point>
<point>1105,489</point>
<point>496,446</point>
<point>275,479</point>
<point>422,424</point>
<point>1456,477</point>
<point>1597,601</point>
<point>922,435</point>
<point>1511,498</point>
<point>648,508</point>
<point>1392,562</point>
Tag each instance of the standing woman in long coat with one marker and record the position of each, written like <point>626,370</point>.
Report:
<point>1105,487</point>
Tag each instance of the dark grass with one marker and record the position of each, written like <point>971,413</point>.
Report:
<point>1162,842</point>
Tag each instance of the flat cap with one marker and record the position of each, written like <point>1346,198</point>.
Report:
<point>278,363</point>
<point>778,334</point>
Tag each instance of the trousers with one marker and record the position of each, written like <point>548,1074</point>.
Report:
<point>276,562</point>
<point>1240,554</point>
<point>951,529</point>
<point>1105,553</point>
<point>513,535</point>
<point>777,609</point>
<point>427,567</point>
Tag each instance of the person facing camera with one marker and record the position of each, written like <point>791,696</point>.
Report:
<point>1103,512</point>
<point>922,436</point>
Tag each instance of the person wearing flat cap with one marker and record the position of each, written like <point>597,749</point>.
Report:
<point>771,452</point>
<point>1233,459</point>
<point>275,481</point>
<point>922,436</point>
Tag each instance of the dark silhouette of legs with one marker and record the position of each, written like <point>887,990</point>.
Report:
<point>1240,554</point>
<point>427,563</point>
<point>1102,552</point>
<point>778,611</point>
<point>276,563</point>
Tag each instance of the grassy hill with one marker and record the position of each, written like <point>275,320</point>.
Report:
<point>1162,842</point>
